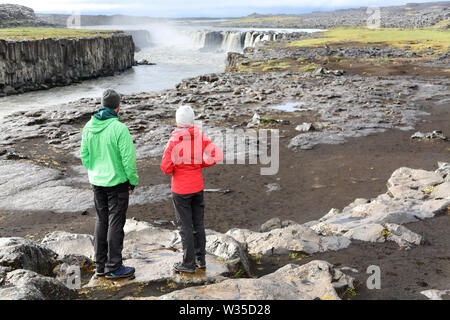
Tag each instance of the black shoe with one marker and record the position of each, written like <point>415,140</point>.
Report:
<point>179,267</point>
<point>122,272</point>
<point>200,263</point>
<point>100,273</point>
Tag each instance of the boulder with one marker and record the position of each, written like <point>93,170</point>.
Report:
<point>441,191</point>
<point>412,195</point>
<point>414,179</point>
<point>228,249</point>
<point>401,235</point>
<point>274,223</point>
<point>20,253</point>
<point>434,294</point>
<point>371,232</point>
<point>21,293</point>
<point>284,240</point>
<point>65,243</point>
<point>444,170</point>
<point>50,288</point>
<point>314,280</point>
<point>3,272</point>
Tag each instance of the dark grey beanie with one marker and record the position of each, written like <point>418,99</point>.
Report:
<point>110,99</point>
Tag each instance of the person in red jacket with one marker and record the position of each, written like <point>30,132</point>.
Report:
<point>186,153</point>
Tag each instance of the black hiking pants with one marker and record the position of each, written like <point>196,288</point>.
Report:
<point>111,204</point>
<point>189,211</point>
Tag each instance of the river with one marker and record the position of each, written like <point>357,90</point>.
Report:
<point>175,51</point>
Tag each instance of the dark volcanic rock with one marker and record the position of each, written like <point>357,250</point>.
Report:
<point>49,288</point>
<point>20,253</point>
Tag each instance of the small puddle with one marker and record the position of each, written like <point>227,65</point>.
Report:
<point>290,106</point>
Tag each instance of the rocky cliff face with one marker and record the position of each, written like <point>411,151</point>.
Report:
<point>40,64</point>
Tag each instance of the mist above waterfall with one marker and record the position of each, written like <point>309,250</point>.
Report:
<point>180,48</point>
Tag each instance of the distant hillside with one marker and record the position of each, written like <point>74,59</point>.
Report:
<point>412,15</point>
<point>12,15</point>
<point>98,20</point>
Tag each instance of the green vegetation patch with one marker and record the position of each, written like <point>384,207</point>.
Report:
<point>51,33</point>
<point>309,67</point>
<point>417,39</point>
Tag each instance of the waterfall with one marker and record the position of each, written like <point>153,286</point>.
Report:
<point>231,40</point>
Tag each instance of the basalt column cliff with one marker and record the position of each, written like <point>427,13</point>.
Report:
<point>29,65</point>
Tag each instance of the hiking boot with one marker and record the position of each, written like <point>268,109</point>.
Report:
<point>179,267</point>
<point>122,272</point>
<point>200,263</point>
<point>100,273</point>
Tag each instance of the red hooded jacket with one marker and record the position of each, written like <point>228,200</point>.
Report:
<point>186,153</point>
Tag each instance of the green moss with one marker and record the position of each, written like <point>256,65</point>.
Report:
<point>417,39</point>
<point>257,64</point>
<point>50,33</point>
<point>274,65</point>
<point>309,67</point>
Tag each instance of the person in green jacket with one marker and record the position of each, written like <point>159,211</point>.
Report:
<point>108,153</point>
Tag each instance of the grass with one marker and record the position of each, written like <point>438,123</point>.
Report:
<point>50,33</point>
<point>417,39</point>
<point>270,65</point>
<point>309,67</point>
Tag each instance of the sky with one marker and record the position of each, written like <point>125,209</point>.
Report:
<point>197,8</point>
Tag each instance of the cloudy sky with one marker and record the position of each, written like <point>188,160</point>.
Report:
<point>196,8</point>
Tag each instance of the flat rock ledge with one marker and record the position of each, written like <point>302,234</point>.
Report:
<point>37,188</point>
<point>314,280</point>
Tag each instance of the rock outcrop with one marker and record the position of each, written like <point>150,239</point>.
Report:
<point>12,15</point>
<point>37,188</point>
<point>412,195</point>
<point>26,270</point>
<point>40,64</point>
<point>315,280</point>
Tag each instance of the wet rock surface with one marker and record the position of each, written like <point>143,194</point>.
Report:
<point>38,188</point>
<point>311,281</point>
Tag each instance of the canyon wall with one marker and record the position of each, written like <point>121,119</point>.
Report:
<point>40,64</point>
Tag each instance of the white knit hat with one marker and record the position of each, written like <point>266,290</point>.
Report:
<point>185,116</point>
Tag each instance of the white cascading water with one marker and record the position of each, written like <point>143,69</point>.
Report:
<point>232,41</point>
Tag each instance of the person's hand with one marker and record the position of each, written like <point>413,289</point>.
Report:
<point>131,191</point>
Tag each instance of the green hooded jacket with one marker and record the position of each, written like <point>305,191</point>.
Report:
<point>107,151</point>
